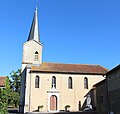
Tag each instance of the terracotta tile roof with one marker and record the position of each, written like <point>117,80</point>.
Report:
<point>69,68</point>
<point>2,81</point>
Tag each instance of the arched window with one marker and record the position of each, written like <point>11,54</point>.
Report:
<point>53,81</point>
<point>37,79</point>
<point>86,83</point>
<point>36,56</point>
<point>70,83</point>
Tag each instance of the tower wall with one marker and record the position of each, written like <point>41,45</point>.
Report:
<point>29,49</point>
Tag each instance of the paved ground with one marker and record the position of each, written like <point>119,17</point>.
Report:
<point>67,113</point>
<point>55,113</point>
<point>15,111</point>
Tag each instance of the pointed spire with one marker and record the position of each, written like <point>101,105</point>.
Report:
<point>34,31</point>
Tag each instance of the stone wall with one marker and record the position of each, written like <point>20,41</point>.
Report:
<point>101,97</point>
<point>113,81</point>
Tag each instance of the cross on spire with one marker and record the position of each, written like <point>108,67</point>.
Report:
<point>36,3</point>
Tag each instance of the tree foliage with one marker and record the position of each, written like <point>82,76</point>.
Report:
<point>15,80</point>
<point>15,85</point>
<point>5,96</point>
<point>10,94</point>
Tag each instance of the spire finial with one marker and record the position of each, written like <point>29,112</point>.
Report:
<point>36,4</point>
<point>34,31</point>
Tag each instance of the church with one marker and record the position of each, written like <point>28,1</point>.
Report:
<point>53,85</point>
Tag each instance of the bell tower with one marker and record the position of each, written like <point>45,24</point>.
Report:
<point>32,49</point>
<point>32,55</point>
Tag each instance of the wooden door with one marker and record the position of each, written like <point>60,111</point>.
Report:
<point>53,103</point>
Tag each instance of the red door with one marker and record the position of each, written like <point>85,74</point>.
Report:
<point>53,103</point>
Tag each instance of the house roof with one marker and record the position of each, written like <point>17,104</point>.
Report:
<point>69,68</point>
<point>115,68</point>
<point>2,81</point>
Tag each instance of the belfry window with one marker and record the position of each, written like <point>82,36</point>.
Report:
<point>70,83</point>
<point>36,56</point>
<point>37,80</point>
<point>86,83</point>
<point>53,81</point>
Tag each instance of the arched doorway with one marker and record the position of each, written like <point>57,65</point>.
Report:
<point>53,103</point>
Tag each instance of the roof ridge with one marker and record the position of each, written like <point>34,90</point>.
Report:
<point>71,63</point>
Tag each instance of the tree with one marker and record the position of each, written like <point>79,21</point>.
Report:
<point>15,85</point>
<point>15,80</point>
<point>10,94</point>
<point>5,96</point>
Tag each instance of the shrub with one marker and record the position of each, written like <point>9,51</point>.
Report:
<point>67,107</point>
<point>40,107</point>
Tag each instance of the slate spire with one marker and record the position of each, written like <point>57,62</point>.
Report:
<point>34,31</point>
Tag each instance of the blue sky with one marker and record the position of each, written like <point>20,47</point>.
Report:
<point>72,31</point>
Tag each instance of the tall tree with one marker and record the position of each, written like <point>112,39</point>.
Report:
<point>15,80</point>
<point>15,84</point>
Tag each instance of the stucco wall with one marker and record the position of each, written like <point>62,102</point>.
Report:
<point>39,96</point>
<point>29,49</point>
